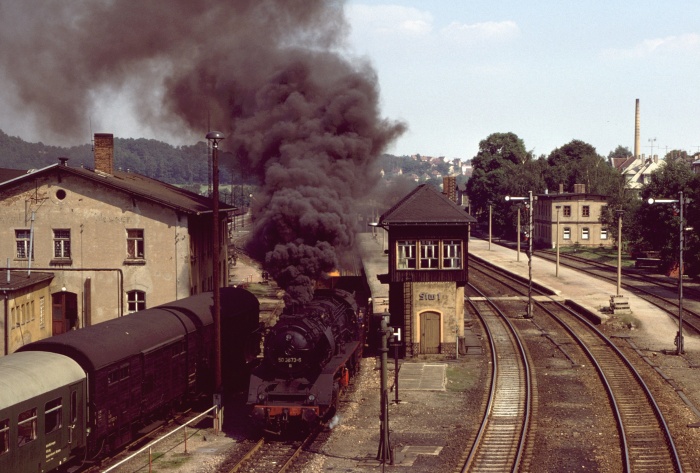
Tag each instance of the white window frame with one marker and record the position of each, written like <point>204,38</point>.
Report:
<point>61,243</point>
<point>23,239</point>
<point>135,243</point>
<point>603,234</point>
<point>585,233</point>
<point>452,254</point>
<point>406,254</point>
<point>566,234</point>
<point>429,251</point>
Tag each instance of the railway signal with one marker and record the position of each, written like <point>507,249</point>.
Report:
<point>678,341</point>
<point>529,202</point>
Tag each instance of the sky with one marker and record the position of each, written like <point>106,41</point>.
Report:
<point>456,71</point>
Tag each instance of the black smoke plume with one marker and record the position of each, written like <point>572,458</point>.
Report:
<point>297,113</point>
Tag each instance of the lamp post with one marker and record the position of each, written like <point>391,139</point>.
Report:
<point>556,271</point>
<point>517,255</point>
<point>679,335</point>
<point>214,137</point>
<point>529,204</point>
<point>619,214</point>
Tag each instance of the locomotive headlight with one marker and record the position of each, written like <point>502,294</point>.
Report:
<point>311,398</point>
<point>261,397</point>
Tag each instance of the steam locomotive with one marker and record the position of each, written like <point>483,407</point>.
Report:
<point>84,392</point>
<point>309,356</point>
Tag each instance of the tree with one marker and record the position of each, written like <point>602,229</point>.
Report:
<point>578,163</point>
<point>660,226</point>
<point>499,169</point>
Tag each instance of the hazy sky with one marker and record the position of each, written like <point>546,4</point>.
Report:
<point>456,71</point>
<point>548,71</point>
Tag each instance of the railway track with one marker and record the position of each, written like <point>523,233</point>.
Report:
<point>646,443</point>
<point>270,456</point>
<point>498,445</point>
<point>658,291</point>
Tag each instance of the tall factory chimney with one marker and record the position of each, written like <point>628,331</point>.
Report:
<point>636,129</point>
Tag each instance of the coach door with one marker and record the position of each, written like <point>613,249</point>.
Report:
<point>429,333</point>
<point>64,311</point>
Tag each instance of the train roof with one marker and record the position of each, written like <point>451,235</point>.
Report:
<point>109,342</point>
<point>26,374</point>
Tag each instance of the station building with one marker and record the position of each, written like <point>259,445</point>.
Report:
<point>427,262</point>
<point>114,242</point>
<point>570,218</point>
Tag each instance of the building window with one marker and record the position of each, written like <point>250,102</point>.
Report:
<point>452,254</point>
<point>567,211</point>
<point>407,254</point>
<point>586,211</point>
<point>42,313</point>
<point>4,436</point>
<point>585,233</point>
<point>26,427</point>
<point>429,255</point>
<point>61,243</point>
<point>22,238</point>
<point>52,416</point>
<point>134,244</point>
<point>603,234</point>
<point>136,300</point>
<point>567,234</point>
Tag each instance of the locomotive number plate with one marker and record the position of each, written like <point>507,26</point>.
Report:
<point>291,359</point>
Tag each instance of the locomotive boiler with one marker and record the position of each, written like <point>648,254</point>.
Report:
<point>309,357</point>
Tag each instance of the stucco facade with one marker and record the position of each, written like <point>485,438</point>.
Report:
<point>116,242</point>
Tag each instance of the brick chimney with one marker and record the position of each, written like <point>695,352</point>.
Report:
<point>104,153</point>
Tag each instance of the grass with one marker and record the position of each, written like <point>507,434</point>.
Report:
<point>598,254</point>
<point>461,376</point>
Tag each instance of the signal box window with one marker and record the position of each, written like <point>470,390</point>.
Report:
<point>586,211</point>
<point>567,211</point>
<point>61,243</point>
<point>136,300</point>
<point>452,254</point>
<point>52,416</point>
<point>406,254</point>
<point>22,239</point>
<point>26,427</point>
<point>134,244</point>
<point>429,255</point>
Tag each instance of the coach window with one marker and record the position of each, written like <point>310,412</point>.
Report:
<point>566,234</point>
<point>4,436</point>
<point>429,255</point>
<point>406,258</point>
<point>52,416</point>
<point>73,407</point>
<point>136,301</point>
<point>26,427</point>
<point>452,254</point>
<point>134,243</point>
<point>585,233</point>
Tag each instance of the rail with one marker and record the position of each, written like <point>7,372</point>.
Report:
<point>150,445</point>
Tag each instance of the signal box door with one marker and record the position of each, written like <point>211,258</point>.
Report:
<point>429,333</point>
